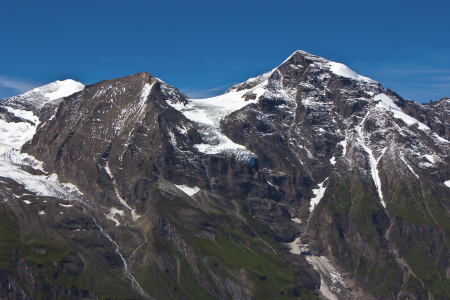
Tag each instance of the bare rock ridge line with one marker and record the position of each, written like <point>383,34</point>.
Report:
<point>307,182</point>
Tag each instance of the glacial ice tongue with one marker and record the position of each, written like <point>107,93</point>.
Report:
<point>208,113</point>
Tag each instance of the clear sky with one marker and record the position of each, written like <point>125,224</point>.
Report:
<point>203,47</point>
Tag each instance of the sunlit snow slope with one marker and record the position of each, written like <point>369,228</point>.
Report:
<point>13,135</point>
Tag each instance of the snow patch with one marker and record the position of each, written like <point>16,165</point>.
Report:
<point>112,213</point>
<point>188,190</point>
<point>430,158</point>
<point>388,104</point>
<point>343,70</point>
<point>440,138</point>
<point>297,220</point>
<point>134,215</point>
<point>333,160</point>
<point>108,170</point>
<point>65,88</point>
<point>425,165</point>
<point>41,212</point>
<point>344,145</point>
<point>183,130</point>
<point>447,183</point>
<point>23,114</point>
<point>27,202</point>
<point>318,195</point>
<point>409,167</point>
<point>66,205</point>
<point>14,135</point>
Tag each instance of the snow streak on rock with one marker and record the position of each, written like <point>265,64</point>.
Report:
<point>112,215</point>
<point>389,105</point>
<point>318,195</point>
<point>133,113</point>
<point>373,161</point>
<point>134,215</point>
<point>409,167</point>
<point>127,268</point>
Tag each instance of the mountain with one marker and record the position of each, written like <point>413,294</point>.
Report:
<point>307,182</point>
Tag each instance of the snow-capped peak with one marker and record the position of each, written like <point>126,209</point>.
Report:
<point>37,97</point>
<point>334,67</point>
<point>64,88</point>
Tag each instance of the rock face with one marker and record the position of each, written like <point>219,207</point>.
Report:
<point>309,181</point>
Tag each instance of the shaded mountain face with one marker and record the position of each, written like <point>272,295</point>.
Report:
<point>309,181</point>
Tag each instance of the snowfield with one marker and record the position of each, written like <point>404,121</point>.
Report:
<point>343,70</point>
<point>66,88</point>
<point>14,135</point>
<point>208,113</point>
<point>188,190</point>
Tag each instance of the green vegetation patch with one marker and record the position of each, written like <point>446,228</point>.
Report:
<point>426,269</point>
<point>340,197</point>
<point>270,275</point>
<point>9,238</point>
<point>408,205</point>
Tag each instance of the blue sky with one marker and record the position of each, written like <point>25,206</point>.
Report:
<point>203,47</point>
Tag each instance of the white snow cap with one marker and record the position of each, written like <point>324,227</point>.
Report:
<point>66,88</point>
<point>343,70</point>
<point>334,67</point>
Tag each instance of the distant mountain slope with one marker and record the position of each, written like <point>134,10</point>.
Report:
<point>309,181</point>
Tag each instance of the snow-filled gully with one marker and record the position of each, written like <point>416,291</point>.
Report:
<point>373,161</point>
<point>318,195</point>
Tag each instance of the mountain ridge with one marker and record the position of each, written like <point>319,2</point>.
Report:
<point>306,181</point>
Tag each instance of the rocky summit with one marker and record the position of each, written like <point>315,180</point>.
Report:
<point>307,182</point>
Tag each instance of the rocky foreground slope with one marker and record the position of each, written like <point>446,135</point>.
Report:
<point>309,181</point>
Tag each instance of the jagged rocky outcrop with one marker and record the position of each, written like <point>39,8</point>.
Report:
<point>309,181</point>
